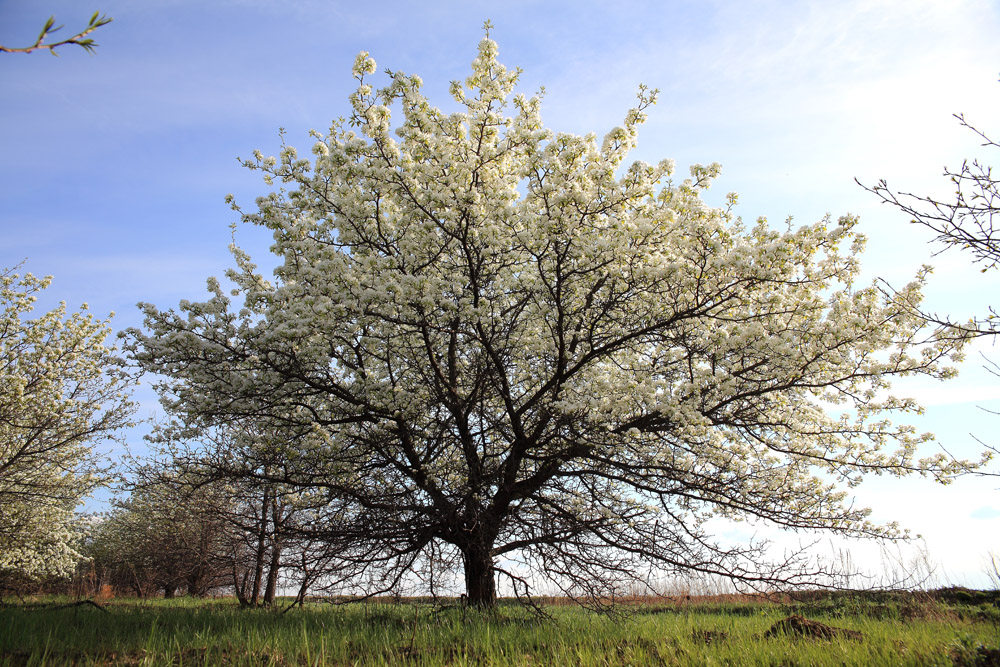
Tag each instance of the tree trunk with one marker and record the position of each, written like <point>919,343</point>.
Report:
<point>480,584</point>
<point>258,567</point>
<point>301,597</point>
<point>240,587</point>
<point>275,565</point>
<point>196,582</point>
<point>272,574</point>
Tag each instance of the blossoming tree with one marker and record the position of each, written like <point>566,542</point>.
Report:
<point>61,390</point>
<point>490,343</point>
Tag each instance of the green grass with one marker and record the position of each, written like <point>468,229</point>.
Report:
<point>217,632</point>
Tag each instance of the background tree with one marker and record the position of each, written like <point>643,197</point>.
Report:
<point>206,515</point>
<point>165,537</point>
<point>61,391</point>
<point>80,39</point>
<point>495,345</point>
<point>272,526</point>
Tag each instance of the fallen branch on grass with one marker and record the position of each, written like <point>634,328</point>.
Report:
<point>53,605</point>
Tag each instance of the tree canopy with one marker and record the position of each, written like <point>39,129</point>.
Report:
<point>61,390</point>
<point>489,344</point>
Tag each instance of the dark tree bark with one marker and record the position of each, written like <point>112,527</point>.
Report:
<point>272,574</point>
<point>240,586</point>
<point>480,580</point>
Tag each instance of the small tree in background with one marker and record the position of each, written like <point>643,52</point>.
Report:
<point>494,344</point>
<point>163,538</point>
<point>209,514</point>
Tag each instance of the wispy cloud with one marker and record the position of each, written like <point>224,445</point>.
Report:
<point>985,512</point>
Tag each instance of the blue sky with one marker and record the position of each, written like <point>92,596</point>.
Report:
<point>115,166</point>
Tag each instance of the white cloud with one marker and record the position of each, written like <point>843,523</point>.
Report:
<point>985,512</point>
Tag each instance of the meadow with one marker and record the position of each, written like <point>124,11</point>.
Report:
<point>948,628</point>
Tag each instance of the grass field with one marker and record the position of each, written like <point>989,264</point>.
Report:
<point>961,629</point>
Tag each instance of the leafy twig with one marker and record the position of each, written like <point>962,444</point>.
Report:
<point>80,39</point>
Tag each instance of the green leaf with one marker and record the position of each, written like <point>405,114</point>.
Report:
<point>45,29</point>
